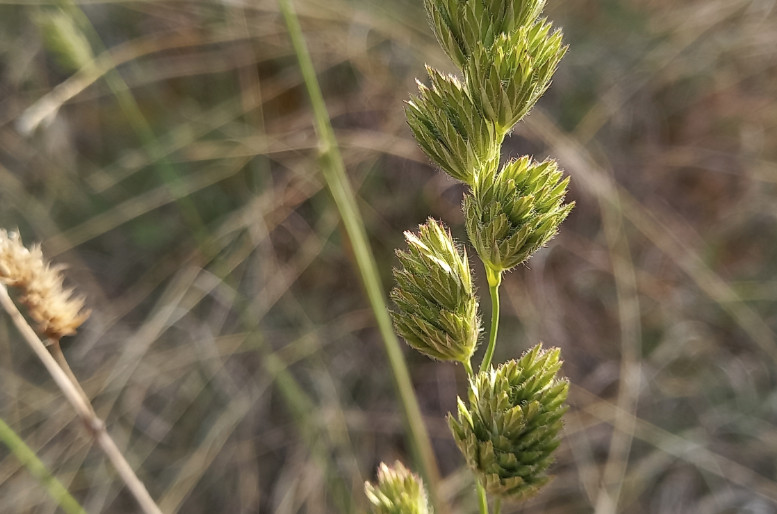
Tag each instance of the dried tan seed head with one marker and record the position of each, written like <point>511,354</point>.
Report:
<point>52,307</point>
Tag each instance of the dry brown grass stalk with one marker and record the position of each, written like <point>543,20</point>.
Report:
<point>57,315</point>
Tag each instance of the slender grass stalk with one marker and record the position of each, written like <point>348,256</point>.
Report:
<point>482,498</point>
<point>494,280</point>
<point>93,424</point>
<point>38,469</point>
<point>56,351</point>
<point>468,368</point>
<point>334,173</point>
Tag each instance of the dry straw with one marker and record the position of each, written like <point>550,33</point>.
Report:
<point>57,314</point>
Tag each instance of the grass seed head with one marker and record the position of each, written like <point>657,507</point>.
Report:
<point>512,214</point>
<point>437,310</point>
<point>449,128</point>
<point>398,492</point>
<point>510,430</point>
<point>507,77</point>
<point>462,25</point>
<point>52,307</point>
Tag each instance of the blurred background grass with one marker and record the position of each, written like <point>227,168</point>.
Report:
<point>231,348</point>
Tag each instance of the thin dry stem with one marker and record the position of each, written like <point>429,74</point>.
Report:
<point>56,351</point>
<point>628,391</point>
<point>84,410</point>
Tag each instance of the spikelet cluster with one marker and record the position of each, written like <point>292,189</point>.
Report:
<point>507,78</point>
<point>52,307</point>
<point>464,26</point>
<point>506,54</point>
<point>514,213</point>
<point>437,310</point>
<point>510,429</point>
<point>398,492</point>
<point>448,127</point>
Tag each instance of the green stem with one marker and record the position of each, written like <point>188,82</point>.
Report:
<point>497,505</point>
<point>333,170</point>
<point>494,279</point>
<point>468,368</point>
<point>482,499</point>
<point>39,470</point>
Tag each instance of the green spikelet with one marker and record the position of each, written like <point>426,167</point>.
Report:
<point>508,57</point>
<point>398,492</point>
<point>506,78</point>
<point>437,310</point>
<point>513,214</point>
<point>449,128</point>
<point>510,430</point>
<point>462,25</point>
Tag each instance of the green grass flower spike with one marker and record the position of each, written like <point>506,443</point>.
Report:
<point>513,214</point>
<point>507,56</point>
<point>511,427</point>
<point>507,78</point>
<point>450,129</point>
<point>398,492</point>
<point>437,310</point>
<point>463,25</point>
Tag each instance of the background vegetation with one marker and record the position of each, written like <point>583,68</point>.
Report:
<point>231,348</point>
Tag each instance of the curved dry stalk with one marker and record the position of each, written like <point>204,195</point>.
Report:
<point>55,349</point>
<point>93,424</point>
<point>631,344</point>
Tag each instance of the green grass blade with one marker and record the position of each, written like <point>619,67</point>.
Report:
<point>333,170</point>
<point>39,470</point>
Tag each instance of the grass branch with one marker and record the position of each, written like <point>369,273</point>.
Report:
<point>494,280</point>
<point>468,368</point>
<point>56,351</point>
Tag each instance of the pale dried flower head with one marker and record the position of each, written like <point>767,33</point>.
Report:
<point>52,307</point>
